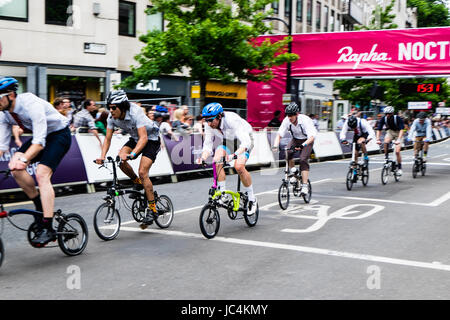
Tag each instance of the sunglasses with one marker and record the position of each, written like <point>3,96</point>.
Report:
<point>4,94</point>
<point>112,108</point>
<point>210,119</point>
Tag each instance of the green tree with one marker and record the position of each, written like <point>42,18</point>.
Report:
<point>431,13</point>
<point>213,40</point>
<point>382,19</point>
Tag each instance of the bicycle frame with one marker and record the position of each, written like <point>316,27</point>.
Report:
<point>215,194</point>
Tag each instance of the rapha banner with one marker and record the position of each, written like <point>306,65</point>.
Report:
<point>407,52</point>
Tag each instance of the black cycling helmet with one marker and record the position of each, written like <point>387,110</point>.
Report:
<point>352,122</point>
<point>292,109</point>
<point>118,98</point>
<point>422,115</point>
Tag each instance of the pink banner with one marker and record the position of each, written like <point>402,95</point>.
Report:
<point>407,52</point>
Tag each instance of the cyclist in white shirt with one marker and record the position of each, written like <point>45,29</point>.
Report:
<point>303,134</point>
<point>144,139</point>
<point>230,126</point>
<point>362,133</point>
<point>421,127</point>
<point>50,142</point>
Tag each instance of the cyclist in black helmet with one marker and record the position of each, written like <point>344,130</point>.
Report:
<point>362,133</point>
<point>303,133</point>
<point>144,140</point>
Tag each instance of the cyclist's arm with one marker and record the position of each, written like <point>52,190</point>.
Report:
<point>5,136</point>
<point>344,130</point>
<point>311,131</point>
<point>107,142</point>
<point>244,138</point>
<point>208,143</point>
<point>411,130</point>
<point>429,134</point>
<point>401,127</point>
<point>369,129</point>
<point>39,123</point>
<point>281,132</point>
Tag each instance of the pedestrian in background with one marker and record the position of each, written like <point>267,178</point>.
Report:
<point>84,118</point>
<point>275,122</point>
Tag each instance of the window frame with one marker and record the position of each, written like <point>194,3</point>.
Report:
<point>297,16</point>
<point>134,19</point>
<point>309,11</point>
<point>286,11</point>
<point>276,7</point>
<point>318,15</point>
<point>17,18</point>
<point>162,19</point>
<point>64,24</point>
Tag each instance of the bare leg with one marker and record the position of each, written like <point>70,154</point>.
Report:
<point>124,166</point>
<point>144,167</point>
<point>26,182</point>
<point>43,176</point>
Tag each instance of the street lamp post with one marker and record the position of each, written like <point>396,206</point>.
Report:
<point>288,26</point>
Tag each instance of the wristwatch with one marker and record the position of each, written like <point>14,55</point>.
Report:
<point>23,159</point>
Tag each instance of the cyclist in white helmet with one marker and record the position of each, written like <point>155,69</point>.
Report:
<point>394,125</point>
<point>421,129</point>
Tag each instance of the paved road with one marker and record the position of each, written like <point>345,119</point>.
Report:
<point>374,242</point>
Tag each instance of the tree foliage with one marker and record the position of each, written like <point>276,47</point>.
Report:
<point>382,19</point>
<point>213,40</point>
<point>431,13</point>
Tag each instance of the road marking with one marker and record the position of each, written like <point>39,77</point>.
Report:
<point>327,252</point>
<point>441,155</point>
<point>440,200</point>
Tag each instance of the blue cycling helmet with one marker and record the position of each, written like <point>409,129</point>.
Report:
<point>212,110</point>
<point>8,84</point>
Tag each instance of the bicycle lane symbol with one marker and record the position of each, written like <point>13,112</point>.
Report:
<point>321,214</point>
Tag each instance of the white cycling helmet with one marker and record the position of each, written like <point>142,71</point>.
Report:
<point>116,97</point>
<point>389,109</point>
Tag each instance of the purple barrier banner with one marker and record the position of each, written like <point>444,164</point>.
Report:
<point>71,168</point>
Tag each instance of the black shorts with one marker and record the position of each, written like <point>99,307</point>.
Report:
<point>357,137</point>
<point>150,150</point>
<point>57,144</point>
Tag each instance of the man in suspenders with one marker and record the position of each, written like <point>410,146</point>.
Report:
<point>303,133</point>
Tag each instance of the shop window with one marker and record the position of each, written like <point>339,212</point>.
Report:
<point>58,12</point>
<point>155,21</point>
<point>326,19</point>
<point>14,10</point>
<point>127,18</point>
<point>299,10</point>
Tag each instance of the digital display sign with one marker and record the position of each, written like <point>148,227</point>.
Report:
<point>420,88</point>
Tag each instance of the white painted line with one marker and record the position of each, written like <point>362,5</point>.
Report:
<point>327,252</point>
<point>440,200</point>
<point>441,155</point>
<point>374,200</point>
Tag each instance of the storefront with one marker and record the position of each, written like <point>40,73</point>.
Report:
<point>174,90</point>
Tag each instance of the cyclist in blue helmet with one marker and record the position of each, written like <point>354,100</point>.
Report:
<point>229,126</point>
<point>50,142</point>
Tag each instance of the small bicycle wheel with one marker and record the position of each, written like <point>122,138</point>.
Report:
<point>107,221</point>
<point>365,176</point>
<point>2,252</point>
<point>253,219</point>
<point>415,169</point>
<point>72,234</point>
<point>138,209</point>
<point>209,221</point>
<point>283,196</point>
<point>164,207</point>
<point>307,197</point>
<point>349,181</point>
<point>385,175</point>
<point>424,169</point>
<point>296,189</point>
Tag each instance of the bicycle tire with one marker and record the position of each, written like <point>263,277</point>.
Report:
<point>67,225</point>
<point>112,218</point>
<point>415,170</point>
<point>164,205</point>
<point>2,252</point>
<point>209,221</point>
<point>349,181</point>
<point>283,194</point>
<point>138,210</point>
<point>365,176</point>
<point>307,197</point>
<point>253,219</point>
<point>424,169</point>
<point>396,176</point>
<point>385,175</point>
<point>31,234</point>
